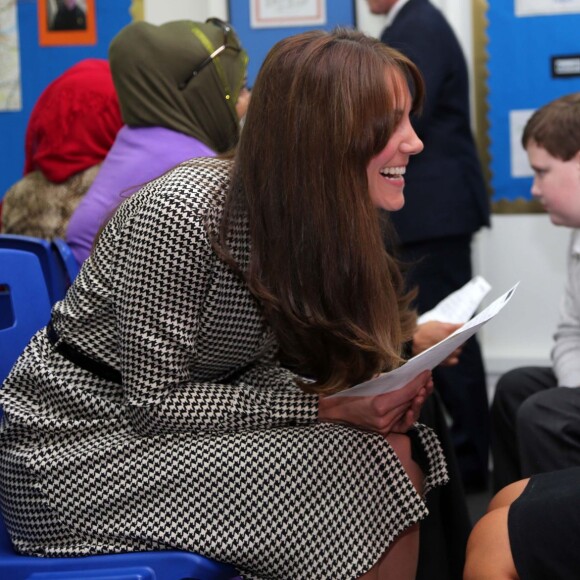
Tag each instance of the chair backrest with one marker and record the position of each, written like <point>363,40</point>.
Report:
<point>5,543</point>
<point>67,258</point>
<point>56,260</point>
<point>24,304</point>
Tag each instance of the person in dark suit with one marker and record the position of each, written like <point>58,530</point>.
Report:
<point>446,203</point>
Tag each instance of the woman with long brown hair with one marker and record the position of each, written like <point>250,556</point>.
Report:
<point>153,411</point>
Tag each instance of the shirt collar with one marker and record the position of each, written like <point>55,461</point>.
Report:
<point>391,15</point>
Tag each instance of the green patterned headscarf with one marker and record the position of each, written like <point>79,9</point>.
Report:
<point>153,71</point>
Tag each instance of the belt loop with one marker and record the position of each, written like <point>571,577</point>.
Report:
<point>79,358</point>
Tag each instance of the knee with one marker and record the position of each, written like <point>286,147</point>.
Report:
<point>507,495</point>
<point>508,390</point>
<point>488,550</point>
<point>531,416</point>
<point>401,445</point>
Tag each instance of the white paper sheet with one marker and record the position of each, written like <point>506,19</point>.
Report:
<point>460,305</point>
<point>430,358</point>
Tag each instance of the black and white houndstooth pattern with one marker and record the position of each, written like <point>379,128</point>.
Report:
<point>180,456</point>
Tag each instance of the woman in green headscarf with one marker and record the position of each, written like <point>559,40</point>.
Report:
<point>181,88</point>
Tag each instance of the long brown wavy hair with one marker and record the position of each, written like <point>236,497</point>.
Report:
<point>321,108</point>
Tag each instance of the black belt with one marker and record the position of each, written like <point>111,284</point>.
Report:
<point>98,368</point>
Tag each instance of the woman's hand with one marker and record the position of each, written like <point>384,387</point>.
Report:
<point>392,412</point>
<point>432,332</point>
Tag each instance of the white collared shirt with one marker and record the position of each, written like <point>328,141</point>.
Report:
<point>566,350</point>
<point>394,11</point>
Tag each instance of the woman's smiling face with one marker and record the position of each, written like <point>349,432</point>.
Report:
<point>386,170</point>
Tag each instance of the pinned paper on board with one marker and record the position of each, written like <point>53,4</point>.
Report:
<point>520,166</point>
<point>10,84</point>
<point>546,7</point>
<point>282,13</point>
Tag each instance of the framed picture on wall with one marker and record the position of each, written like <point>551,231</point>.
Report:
<point>282,14</point>
<point>66,22</point>
<point>259,40</point>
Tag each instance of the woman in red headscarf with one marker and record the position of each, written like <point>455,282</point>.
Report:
<point>72,127</point>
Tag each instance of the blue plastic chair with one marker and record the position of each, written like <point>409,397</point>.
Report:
<point>24,304</point>
<point>25,307</point>
<point>56,259</point>
<point>67,258</point>
<point>166,565</point>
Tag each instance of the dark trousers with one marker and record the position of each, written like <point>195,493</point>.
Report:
<point>535,426</point>
<point>445,530</point>
<point>437,268</point>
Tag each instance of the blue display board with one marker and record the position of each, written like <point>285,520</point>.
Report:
<point>258,41</point>
<point>520,77</point>
<point>39,66</point>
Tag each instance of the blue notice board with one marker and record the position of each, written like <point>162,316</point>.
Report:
<point>39,66</point>
<point>521,49</point>
<point>258,41</point>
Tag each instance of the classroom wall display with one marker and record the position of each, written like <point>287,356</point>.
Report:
<point>282,13</point>
<point>10,94</point>
<point>525,52</point>
<point>40,65</point>
<point>534,7</point>
<point>62,22</point>
<point>258,41</point>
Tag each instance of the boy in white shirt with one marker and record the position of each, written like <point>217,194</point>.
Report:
<point>536,426</point>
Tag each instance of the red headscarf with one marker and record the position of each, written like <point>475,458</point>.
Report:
<point>74,122</point>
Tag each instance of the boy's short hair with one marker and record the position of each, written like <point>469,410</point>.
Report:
<point>556,127</point>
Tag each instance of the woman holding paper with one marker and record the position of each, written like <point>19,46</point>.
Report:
<point>153,413</point>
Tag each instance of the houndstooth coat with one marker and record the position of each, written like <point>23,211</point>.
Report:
<point>208,445</point>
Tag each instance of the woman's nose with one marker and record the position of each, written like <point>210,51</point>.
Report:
<point>412,145</point>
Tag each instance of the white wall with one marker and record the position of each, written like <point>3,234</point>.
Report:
<point>529,249</point>
<point>159,11</point>
<point>524,247</point>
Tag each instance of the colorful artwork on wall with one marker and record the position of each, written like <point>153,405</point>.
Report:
<point>66,22</point>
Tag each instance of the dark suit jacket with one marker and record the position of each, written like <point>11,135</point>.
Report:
<point>445,192</point>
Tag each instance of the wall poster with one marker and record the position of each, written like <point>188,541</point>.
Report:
<point>10,89</point>
<point>66,22</point>
<point>546,7</point>
<point>521,53</point>
<point>282,13</point>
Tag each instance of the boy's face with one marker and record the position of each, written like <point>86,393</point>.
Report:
<point>556,185</point>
